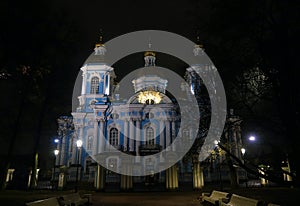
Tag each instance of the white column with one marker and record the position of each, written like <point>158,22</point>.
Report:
<point>172,178</point>
<point>83,88</point>
<point>138,134</point>
<point>95,138</point>
<point>173,135</point>
<point>70,140</point>
<point>167,178</point>
<point>107,84</point>
<point>100,178</point>
<point>101,138</point>
<point>81,132</point>
<point>201,177</point>
<point>131,135</point>
<point>125,134</point>
<point>74,156</point>
<point>162,134</point>
<point>175,177</point>
<point>173,130</point>
<point>126,180</point>
<point>197,176</point>
<point>194,176</point>
<point>104,83</point>
<point>168,134</point>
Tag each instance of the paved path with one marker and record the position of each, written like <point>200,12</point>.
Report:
<point>278,195</point>
<point>146,199</point>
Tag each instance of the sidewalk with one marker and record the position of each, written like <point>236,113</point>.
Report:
<point>278,195</point>
<point>146,199</point>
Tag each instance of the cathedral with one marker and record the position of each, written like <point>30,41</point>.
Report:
<point>104,124</point>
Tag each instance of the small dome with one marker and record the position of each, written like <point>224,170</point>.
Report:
<point>149,53</point>
<point>149,57</point>
<point>95,58</point>
<point>98,56</point>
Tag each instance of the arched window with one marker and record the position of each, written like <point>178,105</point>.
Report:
<point>95,85</point>
<point>114,137</point>
<point>149,136</point>
<point>90,143</point>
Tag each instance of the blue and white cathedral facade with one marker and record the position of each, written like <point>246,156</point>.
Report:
<point>103,119</point>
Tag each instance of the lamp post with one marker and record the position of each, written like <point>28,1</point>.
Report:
<point>243,151</point>
<point>79,145</point>
<point>56,152</point>
<point>218,158</point>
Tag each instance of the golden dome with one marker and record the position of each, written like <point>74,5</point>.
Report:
<point>149,53</point>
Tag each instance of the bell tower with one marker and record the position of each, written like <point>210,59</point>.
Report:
<point>97,79</point>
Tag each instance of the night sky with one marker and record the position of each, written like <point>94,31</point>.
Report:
<point>58,36</point>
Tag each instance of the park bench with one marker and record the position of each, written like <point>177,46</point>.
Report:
<point>214,197</point>
<point>52,201</point>
<point>237,200</point>
<point>75,199</point>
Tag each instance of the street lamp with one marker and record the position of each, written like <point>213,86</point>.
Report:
<point>79,145</point>
<point>252,138</point>
<point>56,152</point>
<point>243,151</point>
<point>218,158</point>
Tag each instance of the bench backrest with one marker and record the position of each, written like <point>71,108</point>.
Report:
<point>52,201</point>
<point>72,197</point>
<point>238,200</point>
<point>218,194</point>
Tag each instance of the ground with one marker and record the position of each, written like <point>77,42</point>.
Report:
<point>278,195</point>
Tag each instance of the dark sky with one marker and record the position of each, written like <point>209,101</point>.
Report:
<point>60,35</point>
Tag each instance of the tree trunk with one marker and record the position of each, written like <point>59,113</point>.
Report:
<point>33,182</point>
<point>232,171</point>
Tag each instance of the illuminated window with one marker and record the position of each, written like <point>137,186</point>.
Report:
<point>149,136</point>
<point>114,137</point>
<point>149,97</point>
<point>95,85</point>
